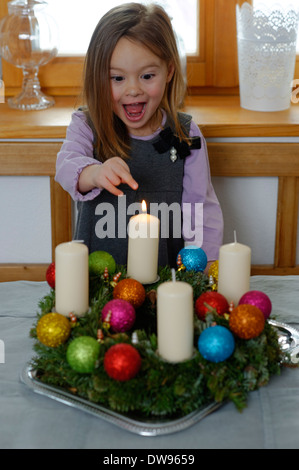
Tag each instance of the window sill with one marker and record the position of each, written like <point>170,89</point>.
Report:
<point>222,116</point>
<point>217,116</point>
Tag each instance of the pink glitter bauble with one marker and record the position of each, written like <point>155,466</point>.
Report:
<point>258,299</point>
<point>120,314</point>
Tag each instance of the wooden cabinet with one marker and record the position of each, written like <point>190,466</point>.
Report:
<point>256,144</point>
<point>240,143</point>
<point>29,142</point>
<point>36,159</point>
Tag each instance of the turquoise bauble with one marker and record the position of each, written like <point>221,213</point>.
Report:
<point>194,258</point>
<point>216,343</point>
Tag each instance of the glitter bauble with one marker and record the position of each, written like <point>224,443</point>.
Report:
<point>120,314</point>
<point>130,290</point>
<point>216,343</point>
<point>53,329</point>
<point>98,261</point>
<point>122,362</point>
<point>246,321</point>
<point>50,275</point>
<point>259,299</point>
<point>211,301</point>
<point>82,354</point>
<point>213,270</point>
<point>193,258</point>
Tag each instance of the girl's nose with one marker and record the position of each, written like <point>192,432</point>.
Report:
<point>133,88</point>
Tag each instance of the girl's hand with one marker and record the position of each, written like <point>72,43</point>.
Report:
<point>107,176</point>
<point>206,271</point>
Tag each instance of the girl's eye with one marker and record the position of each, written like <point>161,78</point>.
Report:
<point>147,76</point>
<point>117,78</point>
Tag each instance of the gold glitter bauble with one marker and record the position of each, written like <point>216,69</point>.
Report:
<point>53,329</point>
<point>213,270</point>
<point>130,290</point>
<point>246,321</point>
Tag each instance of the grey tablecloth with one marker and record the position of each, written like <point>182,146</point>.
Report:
<point>32,421</point>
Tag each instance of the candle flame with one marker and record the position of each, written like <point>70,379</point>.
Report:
<point>143,206</point>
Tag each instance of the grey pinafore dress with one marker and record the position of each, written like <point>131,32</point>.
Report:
<point>160,180</point>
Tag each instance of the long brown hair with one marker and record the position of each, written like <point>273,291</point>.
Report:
<point>150,26</point>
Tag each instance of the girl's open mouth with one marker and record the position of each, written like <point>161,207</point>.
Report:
<point>135,111</point>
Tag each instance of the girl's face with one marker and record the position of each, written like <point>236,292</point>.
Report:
<point>138,81</point>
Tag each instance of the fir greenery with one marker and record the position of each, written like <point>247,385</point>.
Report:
<point>160,389</point>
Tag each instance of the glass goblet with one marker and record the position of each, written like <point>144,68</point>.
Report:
<point>28,40</point>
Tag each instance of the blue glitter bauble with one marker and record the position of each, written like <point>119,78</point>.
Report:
<point>193,258</point>
<point>216,343</point>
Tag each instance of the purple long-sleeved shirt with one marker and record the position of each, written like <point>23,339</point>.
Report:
<point>204,219</point>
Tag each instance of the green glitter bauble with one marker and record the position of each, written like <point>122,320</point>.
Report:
<point>82,354</point>
<point>99,260</point>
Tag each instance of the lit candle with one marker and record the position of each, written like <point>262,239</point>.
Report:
<point>71,279</point>
<point>143,247</point>
<point>234,271</point>
<point>175,326</point>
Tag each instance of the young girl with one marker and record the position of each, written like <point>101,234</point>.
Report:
<point>130,143</point>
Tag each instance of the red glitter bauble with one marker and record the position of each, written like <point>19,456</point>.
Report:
<point>208,301</point>
<point>122,362</point>
<point>50,275</point>
<point>130,290</point>
<point>246,321</point>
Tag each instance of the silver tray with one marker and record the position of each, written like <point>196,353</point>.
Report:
<point>152,427</point>
<point>288,338</point>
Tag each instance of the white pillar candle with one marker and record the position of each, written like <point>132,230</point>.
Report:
<point>234,271</point>
<point>143,247</point>
<point>71,279</point>
<point>175,324</point>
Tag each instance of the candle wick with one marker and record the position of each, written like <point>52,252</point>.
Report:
<point>173,275</point>
<point>235,236</point>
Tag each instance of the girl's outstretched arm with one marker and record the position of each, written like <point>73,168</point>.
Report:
<point>79,173</point>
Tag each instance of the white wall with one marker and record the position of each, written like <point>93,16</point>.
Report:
<point>249,207</point>
<point>25,219</point>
